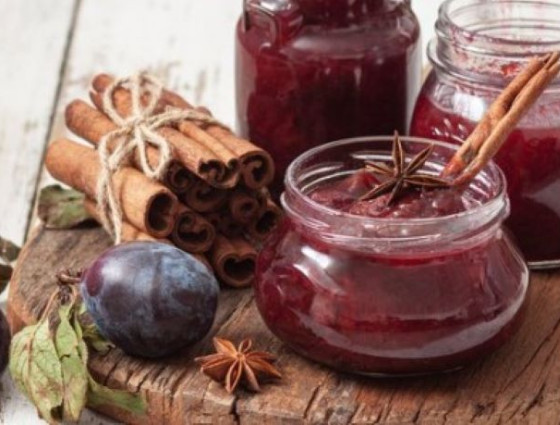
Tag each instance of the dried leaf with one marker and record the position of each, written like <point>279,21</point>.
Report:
<point>62,208</point>
<point>8,254</point>
<point>74,371</point>
<point>20,350</point>
<point>99,395</point>
<point>36,369</point>
<point>91,334</point>
<point>9,251</point>
<point>51,368</point>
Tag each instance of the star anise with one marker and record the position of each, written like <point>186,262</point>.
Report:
<point>230,365</point>
<point>403,175</point>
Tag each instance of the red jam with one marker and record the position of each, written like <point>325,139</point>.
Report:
<point>381,293</point>
<point>312,71</point>
<point>344,195</point>
<point>473,60</point>
<point>530,159</point>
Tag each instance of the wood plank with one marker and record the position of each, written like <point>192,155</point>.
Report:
<point>519,384</point>
<point>33,38</point>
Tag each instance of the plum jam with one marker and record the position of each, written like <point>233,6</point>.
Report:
<point>429,283</point>
<point>473,59</point>
<point>312,71</point>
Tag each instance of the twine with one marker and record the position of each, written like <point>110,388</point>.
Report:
<point>136,133</point>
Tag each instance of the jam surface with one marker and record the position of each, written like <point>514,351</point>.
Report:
<point>318,71</point>
<point>344,195</point>
<point>530,159</point>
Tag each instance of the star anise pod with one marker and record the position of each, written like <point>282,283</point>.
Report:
<point>230,365</point>
<point>403,175</point>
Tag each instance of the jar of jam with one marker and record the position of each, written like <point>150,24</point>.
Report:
<point>480,46</point>
<point>429,283</point>
<point>312,71</point>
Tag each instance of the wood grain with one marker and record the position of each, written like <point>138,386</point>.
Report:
<point>33,39</point>
<point>520,384</point>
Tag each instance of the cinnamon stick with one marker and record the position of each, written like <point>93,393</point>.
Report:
<point>146,204</point>
<point>233,261</point>
<point>90,124</point>
<point>202,258</point>
<point>502,117</point>
<point>257,166</point>
<point>225,224</point>
<point>245,205</point>
<point>212,162</point>
<point>129,233</point>
<point>203,198</point>
<point>192,233</point>
<point>268,219</point>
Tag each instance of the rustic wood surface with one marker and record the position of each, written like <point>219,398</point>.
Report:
<point>49,49</point>
<point>519,384</point>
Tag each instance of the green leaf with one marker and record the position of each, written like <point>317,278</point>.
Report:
<point>36,369</point>
<point>82,347</point>
<point>62,208</point>
<point>74,371</point>
<point>45,387</point>
<point>100,395</point>
<point>91,333</point>
<point>20,351</point>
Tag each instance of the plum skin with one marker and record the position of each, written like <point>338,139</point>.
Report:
<point>150,299</point>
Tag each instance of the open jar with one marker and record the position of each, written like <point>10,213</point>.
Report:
<point>389,296</point>
<point>480,46</point>
<point>312,71</point>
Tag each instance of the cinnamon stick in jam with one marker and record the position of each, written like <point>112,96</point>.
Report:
<point>233,261</point>
<point>212,162</point>
<point>257,166</point>
<point>501,118</point>
<point>267,221</point>
<point>192,233</point>
<point>147,205</point>
<point>91,125</point>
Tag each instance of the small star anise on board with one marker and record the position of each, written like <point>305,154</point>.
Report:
<point>230,365</point>
<point>403,175</point>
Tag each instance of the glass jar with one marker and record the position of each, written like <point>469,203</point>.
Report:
<point>384,295</point>
<point>312,71</point>
<point>480,46</point>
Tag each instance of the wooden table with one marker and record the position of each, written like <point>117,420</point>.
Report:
<point>49,49</point>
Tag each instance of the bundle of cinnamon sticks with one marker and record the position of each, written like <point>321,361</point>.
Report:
<point>212,202</point>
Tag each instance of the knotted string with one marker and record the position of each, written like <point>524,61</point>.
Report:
<point>134,135</point>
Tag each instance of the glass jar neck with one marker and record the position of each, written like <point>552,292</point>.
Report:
<point>342,11</point>
<point>490,41</point>
<point>330,13</point>
<point>328,162</point>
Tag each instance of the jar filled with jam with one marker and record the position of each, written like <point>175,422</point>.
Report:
<point>312,71</point>
<point>426,283</point>
<point>481,45</point>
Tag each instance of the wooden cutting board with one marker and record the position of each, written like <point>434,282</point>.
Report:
<point>519,384</point>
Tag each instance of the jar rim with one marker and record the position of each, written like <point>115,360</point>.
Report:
<point>496,207</point>
<point>462,35</point>
<point>449,6</point>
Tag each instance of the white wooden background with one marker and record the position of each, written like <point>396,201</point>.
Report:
<point>49,49</point>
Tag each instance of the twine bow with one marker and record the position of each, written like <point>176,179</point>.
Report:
<point>135,134</point>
